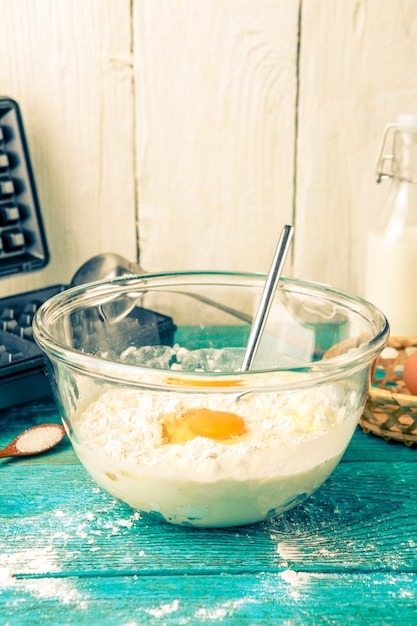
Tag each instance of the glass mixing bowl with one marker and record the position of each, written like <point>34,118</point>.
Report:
<point>146,373</point>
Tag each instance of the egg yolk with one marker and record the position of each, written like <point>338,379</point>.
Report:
<point>218,425</point>
<point>215,424</point>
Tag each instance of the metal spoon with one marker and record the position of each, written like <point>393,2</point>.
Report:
<point>109,265</point>
<point>34,440</point>
<point>104,266</point>
<point>267,297</point>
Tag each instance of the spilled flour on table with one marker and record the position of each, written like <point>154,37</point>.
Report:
<point>164,609</point>
<point>34,574</point>
<point>39,561</point>
<point>34,560</point>
<point>57,589</point>
<point>61,590</point>
<point>6,577</point>
<point>286,551</point>
<point>295,579</point>
<point>224,610</point>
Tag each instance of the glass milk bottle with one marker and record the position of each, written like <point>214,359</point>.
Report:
<point>391,269</point>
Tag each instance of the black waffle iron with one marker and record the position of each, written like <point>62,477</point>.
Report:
<point>23,248</point>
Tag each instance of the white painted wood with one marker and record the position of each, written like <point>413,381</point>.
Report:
<point>170,126</point>
<point>357,72</point>
<point>215,87</point>
<point>68,64</point>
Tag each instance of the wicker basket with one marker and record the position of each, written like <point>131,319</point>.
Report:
<point>390,411</point>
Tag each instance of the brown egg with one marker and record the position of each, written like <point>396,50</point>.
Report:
<point>410,373</point>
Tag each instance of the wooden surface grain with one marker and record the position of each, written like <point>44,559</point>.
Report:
<point>283,598</point>
<point>355,78</point>
<point>68,64</point>
<point>70,553</point>
<point>215,101</point>
<point>185,134</point>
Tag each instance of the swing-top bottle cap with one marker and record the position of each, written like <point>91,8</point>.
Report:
<point>387,163</point>
<point>407,121</point>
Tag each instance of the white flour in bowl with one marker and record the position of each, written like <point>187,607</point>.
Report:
<point>291,444</point>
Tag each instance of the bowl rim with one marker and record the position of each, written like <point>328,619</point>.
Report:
<point>332,368</point>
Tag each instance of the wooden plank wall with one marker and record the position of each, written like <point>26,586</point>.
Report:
<point>185,133</point>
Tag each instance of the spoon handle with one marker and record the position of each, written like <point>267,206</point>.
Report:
<point>267,297</point>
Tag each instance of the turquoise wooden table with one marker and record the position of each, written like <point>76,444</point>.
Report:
<point>71,554</point>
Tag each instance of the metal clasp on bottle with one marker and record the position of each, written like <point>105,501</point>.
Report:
<point>382,172</point>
